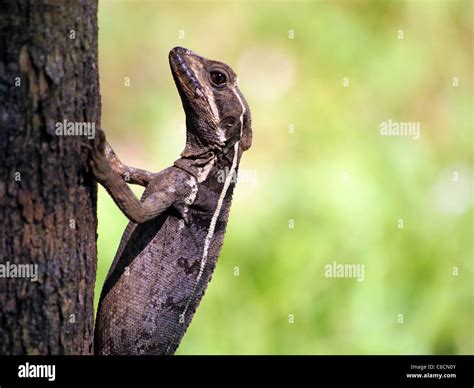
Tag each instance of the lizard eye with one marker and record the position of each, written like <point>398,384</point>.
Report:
<point>218,78</point>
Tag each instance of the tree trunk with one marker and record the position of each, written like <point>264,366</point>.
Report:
<point>48,74</point>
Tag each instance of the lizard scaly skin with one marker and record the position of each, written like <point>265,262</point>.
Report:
<point>169,250</point>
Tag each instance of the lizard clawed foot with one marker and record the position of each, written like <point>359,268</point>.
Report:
<point>100,141</point>
<point>98,162</point>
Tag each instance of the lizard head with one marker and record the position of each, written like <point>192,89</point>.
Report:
<point>217,114</point>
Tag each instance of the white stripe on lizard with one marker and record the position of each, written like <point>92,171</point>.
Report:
<point>215,216</point>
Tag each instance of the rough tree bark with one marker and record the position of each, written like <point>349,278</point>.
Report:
<point>48,74</point>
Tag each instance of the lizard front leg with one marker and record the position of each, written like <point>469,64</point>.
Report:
<point>132,175</point>
<point>109,173</point>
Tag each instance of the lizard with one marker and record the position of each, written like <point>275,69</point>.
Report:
<point>170,247</point>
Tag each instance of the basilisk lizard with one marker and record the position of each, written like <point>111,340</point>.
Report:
<point>171,245</point>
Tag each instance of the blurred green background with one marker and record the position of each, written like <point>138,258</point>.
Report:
<point>320,184</point>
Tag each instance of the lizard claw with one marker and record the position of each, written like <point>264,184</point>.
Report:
<point>98,161</point>
<point>186,219</point>
<point>99,141</point>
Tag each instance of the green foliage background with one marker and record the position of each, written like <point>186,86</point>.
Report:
<point>343,184</point>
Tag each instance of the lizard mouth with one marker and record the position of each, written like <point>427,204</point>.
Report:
<point>183,69</point>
